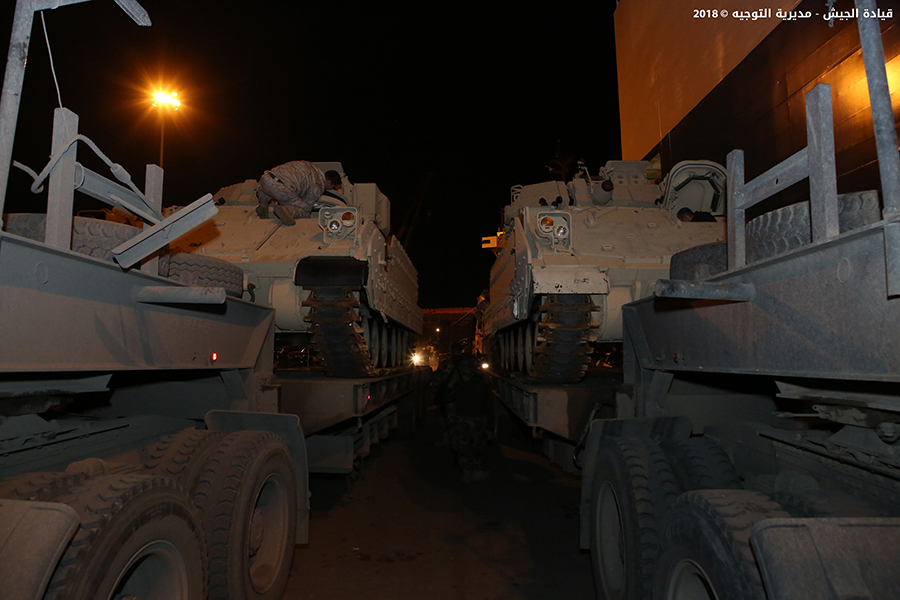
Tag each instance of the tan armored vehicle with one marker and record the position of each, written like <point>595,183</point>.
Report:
<point>340,284</point>
<point>570,255</point>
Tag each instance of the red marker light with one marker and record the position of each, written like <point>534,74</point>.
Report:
<point>215,356</point>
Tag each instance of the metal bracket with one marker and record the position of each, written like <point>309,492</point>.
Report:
<point>101,188</point>
<point>150,240</point>
<point>704,290</point>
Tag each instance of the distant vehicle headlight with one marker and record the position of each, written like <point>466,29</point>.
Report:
<point>485,365</point>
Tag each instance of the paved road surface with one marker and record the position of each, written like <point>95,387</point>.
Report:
<point>409,529</point>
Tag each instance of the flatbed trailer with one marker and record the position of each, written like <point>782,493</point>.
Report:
<point>344,418</point>
<point>147,447</point>
<point>760,459</point>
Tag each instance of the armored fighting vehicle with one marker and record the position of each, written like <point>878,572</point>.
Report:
<point>570,255</point>
<point>344,290</point>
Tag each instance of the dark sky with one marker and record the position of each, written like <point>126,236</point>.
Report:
<point>443,105</point>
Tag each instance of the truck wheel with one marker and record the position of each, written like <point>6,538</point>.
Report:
<point>633,485</point>
<point>708,554</point>
<point>203,271</point>
<point>182,456</point>
<point>139,537</point>
<point>701,464</point>
<point>247,495</point>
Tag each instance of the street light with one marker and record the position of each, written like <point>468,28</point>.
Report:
<point>163,100</point>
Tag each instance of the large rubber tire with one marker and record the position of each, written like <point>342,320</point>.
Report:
<point>786,228</point>
<point>701,464</point>
<point>248,497</point>
<point>708,554</point>
<point>203,271</point>
<point>700,262</point>
<point>139,536</point>
<point>93,237</point>
<point>98,238</point>
<point>632,488</point>
<point>182,456</point>
<point>27,225</point>
<point>38,486</point>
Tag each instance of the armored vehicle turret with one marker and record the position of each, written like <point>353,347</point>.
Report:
<point>344,291</point>
<point>570,255</point>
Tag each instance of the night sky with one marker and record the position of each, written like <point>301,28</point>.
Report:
<point>443,105</point>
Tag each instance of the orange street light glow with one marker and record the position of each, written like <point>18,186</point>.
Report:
<point>164,98</point>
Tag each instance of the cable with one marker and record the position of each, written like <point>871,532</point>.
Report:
<point>53,71</point>
<point>118,170</point>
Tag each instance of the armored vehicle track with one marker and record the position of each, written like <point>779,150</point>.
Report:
<point>352,343</point>
<point>553,345</point>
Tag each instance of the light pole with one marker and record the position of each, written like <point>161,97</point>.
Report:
<point>163,100</point>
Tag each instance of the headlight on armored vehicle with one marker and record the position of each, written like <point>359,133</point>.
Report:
<point>554,227</point>
<point>338,223</point>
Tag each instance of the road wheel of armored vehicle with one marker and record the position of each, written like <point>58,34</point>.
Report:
<point>375,344</point>
<point>182,456</point>
<point>247,495</point>
<point>140,537</point>
<point>388,350</point>
<point>516,351</point>
<point>632,487</point>
<point>403,348</point>
<point>708,554</point>
<point>376,349</point>
<point>203,271</point>
<point>528,343</point>
<point>701,464</point>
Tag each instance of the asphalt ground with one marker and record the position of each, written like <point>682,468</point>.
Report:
<point>405,526</point>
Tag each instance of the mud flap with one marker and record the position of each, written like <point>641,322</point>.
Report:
<point>331,271</point>
<point>33,536</point>
<point>828,559</point>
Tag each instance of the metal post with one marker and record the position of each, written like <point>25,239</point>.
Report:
<point>823,202</point>
<point>153,192</point>
<point>12,88</point>
<point>737,232</point>
<point>162,134</point>
<point>61,187</point>
<point>882,111</point>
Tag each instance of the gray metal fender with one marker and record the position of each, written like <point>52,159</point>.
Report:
<point>288,427</point>
<point>655,428</point>
<point>828,559</point>
<point>33,536</point>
